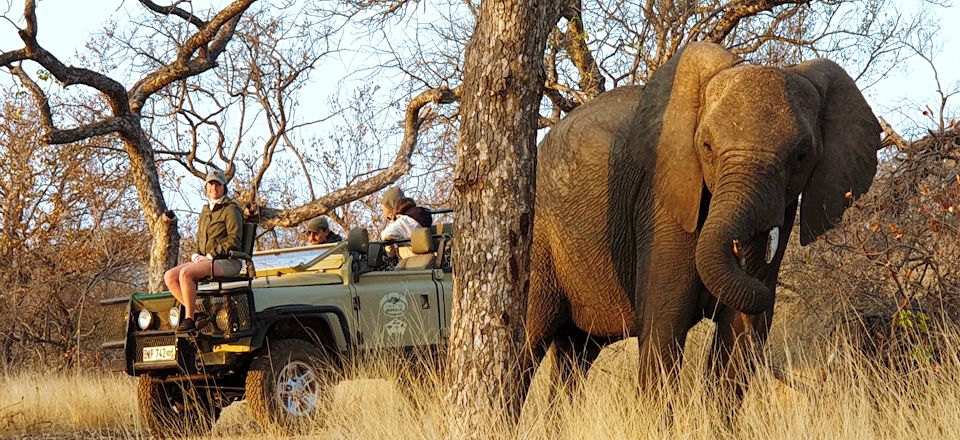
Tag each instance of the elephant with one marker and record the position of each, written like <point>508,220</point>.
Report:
<point>663,205</point>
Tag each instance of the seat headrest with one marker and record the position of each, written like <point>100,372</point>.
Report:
<point>421,241</point>
<point>357,240</point>
<point>443,228</point>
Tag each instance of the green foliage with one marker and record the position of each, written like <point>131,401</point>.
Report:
<point>913,319</point>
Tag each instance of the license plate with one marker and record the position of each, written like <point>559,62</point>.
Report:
<point>162,353</point>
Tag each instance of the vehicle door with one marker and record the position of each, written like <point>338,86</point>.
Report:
<point>399,308</point>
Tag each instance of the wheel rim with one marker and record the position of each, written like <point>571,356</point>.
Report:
<point>298,389</point>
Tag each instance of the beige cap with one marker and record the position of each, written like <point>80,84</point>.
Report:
<point>216,175</point>
<point>318,224</point>
<point>391,198</point>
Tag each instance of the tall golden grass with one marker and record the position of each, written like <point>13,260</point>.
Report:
<point>846,396</point>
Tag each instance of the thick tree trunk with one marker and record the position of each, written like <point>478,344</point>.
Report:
<point>165,242</point>
<point>500,100</point>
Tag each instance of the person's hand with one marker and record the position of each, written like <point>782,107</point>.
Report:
<point>196,258</point>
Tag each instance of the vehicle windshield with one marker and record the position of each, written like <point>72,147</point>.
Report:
<point>287,258</point>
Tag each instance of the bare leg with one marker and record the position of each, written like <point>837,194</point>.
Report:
<point>189,275</point>
<point>172,278</point>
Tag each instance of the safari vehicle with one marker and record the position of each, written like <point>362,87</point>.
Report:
<point>276,335</point>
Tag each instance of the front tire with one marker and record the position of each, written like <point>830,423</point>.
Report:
<point>289,382</point>
<point>175,409</point>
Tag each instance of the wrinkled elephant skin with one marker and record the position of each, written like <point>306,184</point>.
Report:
<point>667,204</point>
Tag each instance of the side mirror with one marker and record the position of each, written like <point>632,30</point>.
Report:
<point>375,256</point>
<point>357,240</point>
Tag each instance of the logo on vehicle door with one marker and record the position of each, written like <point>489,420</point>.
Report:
<point>393,304</point>
<point>396,327</point>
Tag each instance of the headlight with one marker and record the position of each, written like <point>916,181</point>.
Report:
<point>144,319</point>
<point>174,316</point>
<point>224,319</point>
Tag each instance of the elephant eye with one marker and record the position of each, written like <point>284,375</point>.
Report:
<point>801,157</point>
<point>708,147</point>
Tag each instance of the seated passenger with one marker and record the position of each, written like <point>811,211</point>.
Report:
<point>404,215</point>
<point>318,231</point>
<point>218,233</point>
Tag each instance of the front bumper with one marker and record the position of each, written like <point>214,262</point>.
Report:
<point>194,354</point>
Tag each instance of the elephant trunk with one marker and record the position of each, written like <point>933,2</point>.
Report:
<point>742,221</point>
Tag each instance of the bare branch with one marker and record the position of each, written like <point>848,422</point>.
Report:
<point>401,164</point>
<point>46,120</point>
<point>731,17</point>
<point>892,138</point>
<point>215,34</point>
<point>174,10</point>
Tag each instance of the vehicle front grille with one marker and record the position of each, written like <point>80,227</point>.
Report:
<point>114,319</point>
<point>228,314</point>
<point>153,341</point>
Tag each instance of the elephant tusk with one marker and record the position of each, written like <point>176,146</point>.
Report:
<point>773,243</point>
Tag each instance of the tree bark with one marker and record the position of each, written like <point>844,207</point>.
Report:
<point>494,187</point>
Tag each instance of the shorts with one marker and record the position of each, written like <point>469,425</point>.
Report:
<point>229,266</point>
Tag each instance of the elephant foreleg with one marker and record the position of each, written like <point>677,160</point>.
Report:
<point>737,347</point>
<point>738,343</point>
<point>666,304</point>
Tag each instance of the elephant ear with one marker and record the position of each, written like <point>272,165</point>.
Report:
<point>666,126</point>
<point>850,137</point>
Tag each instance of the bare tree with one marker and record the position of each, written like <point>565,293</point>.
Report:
<point>593,45</point>
<point>196,54</point>
<point>173,113</point>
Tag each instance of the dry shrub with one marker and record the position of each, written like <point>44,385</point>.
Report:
<point>888,275</point>
<point>70,234</point>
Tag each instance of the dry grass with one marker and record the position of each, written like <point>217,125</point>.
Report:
<point>848,397</point>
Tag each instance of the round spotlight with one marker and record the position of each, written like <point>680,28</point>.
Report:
<point>224,319</point>
<point>144,319</point>
<point>173,316</point>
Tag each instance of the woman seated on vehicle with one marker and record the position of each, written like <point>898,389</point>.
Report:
<point>404,215</point>
<point>218,233</point>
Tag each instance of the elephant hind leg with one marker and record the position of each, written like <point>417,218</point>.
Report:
<point>575,352</point>
<point>547,310</point>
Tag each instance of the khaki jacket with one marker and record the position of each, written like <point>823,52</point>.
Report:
<point>218,231</point>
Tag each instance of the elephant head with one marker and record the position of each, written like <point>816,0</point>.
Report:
<point>736,145</point>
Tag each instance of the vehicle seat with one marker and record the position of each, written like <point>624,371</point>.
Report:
<point>443,229</point>
<point>248,237</point>
<point>422,245</point>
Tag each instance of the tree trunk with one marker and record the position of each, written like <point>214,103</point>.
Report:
<point>495,183</point>
<point>165,243</point>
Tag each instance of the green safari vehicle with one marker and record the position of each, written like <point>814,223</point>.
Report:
<point>277,335</point>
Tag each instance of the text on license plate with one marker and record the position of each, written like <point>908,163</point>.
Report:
<point>162,353</point>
